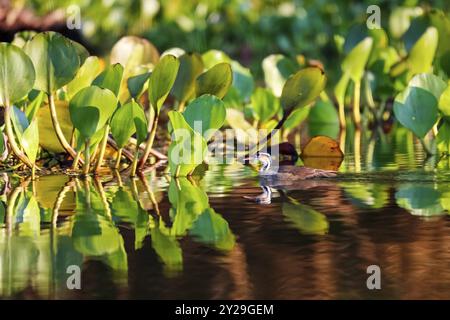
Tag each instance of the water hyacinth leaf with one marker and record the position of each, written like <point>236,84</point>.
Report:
<point>85,75</point>
<point>35,98</point>
<point>264,104</point>
<point>188,147</point>
<point>177,52</point>
<point>212,229</point>
<point>17,74</point>
<point>110,78</point>
<point>137,84</point>
<point>22,37</point>
<point>420,200</point>
<point>30,140</point>
<point>305,219</point>
<point>212,57</point>
<point>429,82</point>
<point>20,122</point>
<point>55,60</point>
<point>216,81</point>
<point>131,51</point>
<point>127,120</point>
<point>277,69</point>
<point>356,61</point>
<point>422,54</point>
<point>296,118</point>
<point>341,88</point>
<point>162,80</point>
<point>242,81</point>
<point>47,136</point>
<point>91,108</point>
<point>168,249</point>
<point>443,138</point>
<point>323,112</point>
<point>205,115</point>
<point>302,88</point>
<point>191,66</point>
<point>444,102</point>
<point>416,109</point>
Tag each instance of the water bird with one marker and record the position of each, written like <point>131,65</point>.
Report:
<point>284,177</point>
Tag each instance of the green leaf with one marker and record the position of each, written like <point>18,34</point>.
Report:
<point>35,98</point>
<point>443,138</point>
<point>444,103</point>
<point>212,229</point>
<point>341,88</point>
<point>264,104</point>
<point>205,115</point>
<point>17,74</point>
<point>19,121</point>
<point>302,88</point>
<point>168,249</point>
<point>131,51</point>
<point>420,200</point>
<point>429,82</point>
<point>91,108</point>
<point>215,81</point>
<point>30,140</point>
<point>110,78</point>
<point>188,147</point>
<point>296,118</point>
<point>212,57</point>
<point>47,136</point>
<point>84,77</point>
<point>191,66</point>
<point>137,84</point>
<point>55,60</point>
<point>305,219</point>
<point>421,56</point>
<point>323,112</point>
<point>127,120</point>
<point>277,69</point>
<point>242,80</point>
<point>162,80</point>
<point>416,109</point>
<point>356,61</point>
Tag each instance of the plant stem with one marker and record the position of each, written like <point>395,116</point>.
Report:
<point>356,102</point>
<point>118,157</point>
<point>342,120</point>
<point>75,161</point>
<point>149,142</point>
<point>425,147</point>
<point>11,139</point>
<point>62,139</point>
<point>102,149</point>
<point>87,157</point>
<point>181,106</point>
<point>33,172</point>
<point>134,164</point>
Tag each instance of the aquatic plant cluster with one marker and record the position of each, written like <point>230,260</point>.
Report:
<point>58,99</point>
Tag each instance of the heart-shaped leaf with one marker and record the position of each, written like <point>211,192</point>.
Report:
<point>264,104</point>
<point>84,77</point>
<point>191,66</point>
<point>127,120</point>
<point>416,109</point>
<point>302,88</point>
<point>205,115</point>
<point>110,78</point>
<point>356,61</point>
<point>188,147</point>
<point>215,81</point>
<point>91,108</point>
<point>137,84</point>
<point>55,60</point>
<point>277,68</point>
<point>30,140</point>
<point>162,80</point>
<point>421,56</point>
<point>17,74</point>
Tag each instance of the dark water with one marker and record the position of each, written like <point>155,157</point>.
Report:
<point>158,238</point>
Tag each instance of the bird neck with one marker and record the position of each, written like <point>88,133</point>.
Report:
<point>266,163</point>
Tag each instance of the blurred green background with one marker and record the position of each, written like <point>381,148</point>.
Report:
<point>247,30</point>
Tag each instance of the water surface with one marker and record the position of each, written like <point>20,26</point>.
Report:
<point>159,238</point>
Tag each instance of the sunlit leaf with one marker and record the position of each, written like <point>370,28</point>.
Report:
<point>110,78</point>
<point>216,81</point>
<point>191,66</point>
<point>162,80</point>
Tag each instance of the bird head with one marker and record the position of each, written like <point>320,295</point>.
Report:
<point>262,157</point>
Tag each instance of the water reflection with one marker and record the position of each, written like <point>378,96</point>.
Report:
<point>156,237</point>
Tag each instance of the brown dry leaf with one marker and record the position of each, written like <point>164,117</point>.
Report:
<point>322,152</point>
